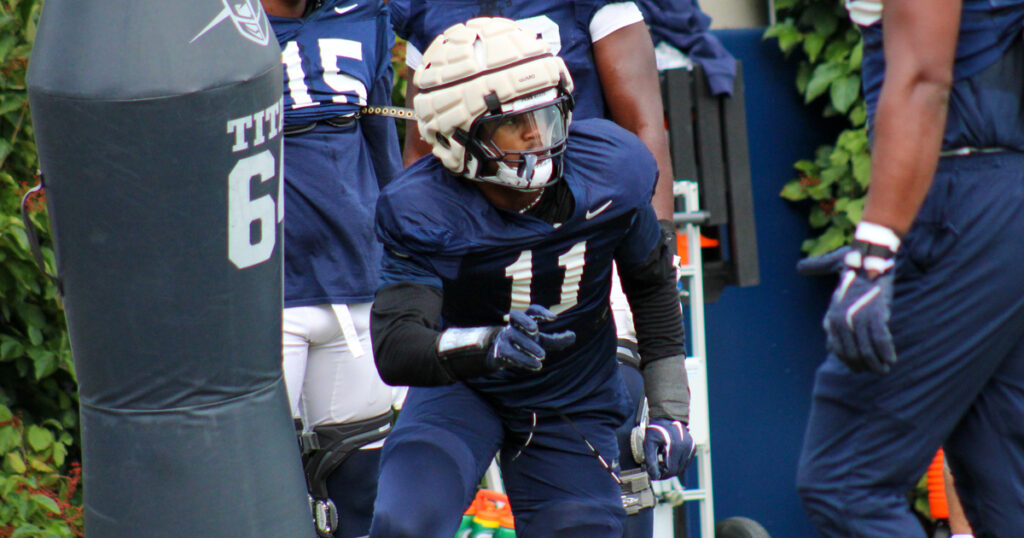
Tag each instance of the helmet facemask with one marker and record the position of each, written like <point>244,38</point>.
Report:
<point>519,144</point>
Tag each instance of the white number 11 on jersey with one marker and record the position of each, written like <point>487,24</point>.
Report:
<point>521,273</point>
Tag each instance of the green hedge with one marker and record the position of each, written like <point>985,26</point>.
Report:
<point>39,472</point>
<point>834,182</point>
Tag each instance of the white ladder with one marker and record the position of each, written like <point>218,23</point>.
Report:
<point>671,492</point>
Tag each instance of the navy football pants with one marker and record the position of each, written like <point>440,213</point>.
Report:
<point>352,487</point>
<point>444,441</point>
<point>958,324</point>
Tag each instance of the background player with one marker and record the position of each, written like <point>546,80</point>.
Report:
<point>511,213</point>
<point>337,59</point>
<point>926,329</point>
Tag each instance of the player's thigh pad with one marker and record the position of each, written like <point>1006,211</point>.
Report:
<point>433,460</point>
<point>341,382</point>
<point>295,338</point>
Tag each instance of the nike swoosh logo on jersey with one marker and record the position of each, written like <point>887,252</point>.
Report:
<point>595,212</point>
<point>346,9</point>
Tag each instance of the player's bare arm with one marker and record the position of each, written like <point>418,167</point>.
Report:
<point>629,79</point>
<point>920,43</point>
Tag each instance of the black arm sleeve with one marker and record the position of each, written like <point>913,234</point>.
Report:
<point>651,290</point>
<point>404,329</point>
<point>405,333</point>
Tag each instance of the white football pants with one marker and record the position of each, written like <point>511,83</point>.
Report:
<point>328,365</point>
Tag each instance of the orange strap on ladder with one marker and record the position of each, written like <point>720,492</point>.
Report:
<point>937,487</point>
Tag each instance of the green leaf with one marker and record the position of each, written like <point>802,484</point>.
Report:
<point>44,363</point>
<point>7,44</point>
<point>10,349</point>
<point>859,114</point>
<point>842,221</point>
<point>832,174</point>
<point>789,38</point>
<point>10,103</point>
<point>832,239</point>
<point>775,29</point>
<point>32,315</point>
<point>803,76</point>
<point>844,92</point>
<point>839,157</point>
<point>27,531</point>
<point>838,51</point>
<point>15,463</point>
<point>793,191</point>
<point>857,55</point>
<point>855,209</point>
<point>35,336</point>
<point>813,44</point>
<point>862,169</point>
<point>822,78</point>
<point>40,465</point>
<point>818,218</point>
<point>9,439</point>
<point>46,502</point>
<point>807,167</point>
<point>5,414</point>
<point>821,191</point>
<point>39,438</point>
<point>853,140</point>
<point>59,454</point>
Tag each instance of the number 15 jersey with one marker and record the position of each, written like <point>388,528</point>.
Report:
<point>336,60</point>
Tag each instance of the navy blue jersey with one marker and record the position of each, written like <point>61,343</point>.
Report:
<point>439,230</point>
<point>335,60</point>
<point>564,25</point>
<point>986,106</point>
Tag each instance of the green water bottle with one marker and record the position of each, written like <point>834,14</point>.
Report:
<point>465,527</point>
<point>505,532</point>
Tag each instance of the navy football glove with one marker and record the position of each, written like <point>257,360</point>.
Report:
<point>668,448</point>
<point>857,320</point>
<point>521,345</point>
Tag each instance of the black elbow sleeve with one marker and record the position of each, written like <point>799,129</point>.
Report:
<point>404,328</point>
<point>654,300</point>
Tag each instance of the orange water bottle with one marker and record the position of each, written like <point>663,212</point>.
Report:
<point>486,521</point>
<point>506,525</point>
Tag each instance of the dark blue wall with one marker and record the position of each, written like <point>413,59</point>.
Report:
<point>764,342</point>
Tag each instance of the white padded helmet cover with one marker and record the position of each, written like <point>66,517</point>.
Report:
<point>466,63</point>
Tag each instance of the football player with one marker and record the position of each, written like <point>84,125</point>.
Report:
<point>608,50</point>
<point>494,293</point>
<point>336,58</point>
<point>926,328</point>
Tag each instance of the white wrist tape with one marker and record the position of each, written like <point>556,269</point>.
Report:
<point>877,234</point>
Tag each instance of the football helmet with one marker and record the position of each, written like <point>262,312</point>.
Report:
<point>494,103</point>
